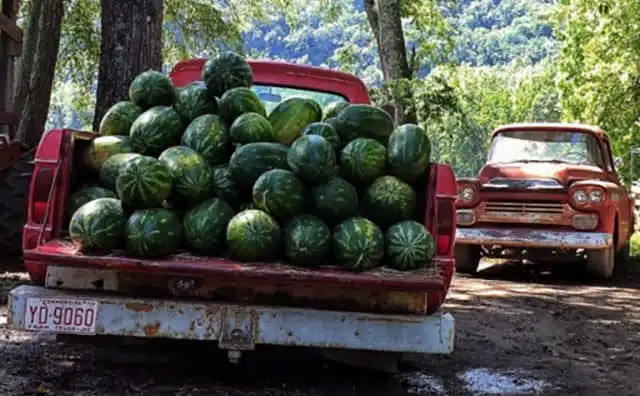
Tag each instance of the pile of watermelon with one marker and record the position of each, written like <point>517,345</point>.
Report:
<point>205,169</point>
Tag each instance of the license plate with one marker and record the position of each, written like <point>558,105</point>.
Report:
<point>61,315</point>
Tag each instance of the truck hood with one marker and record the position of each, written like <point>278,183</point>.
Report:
<point>536,175</point>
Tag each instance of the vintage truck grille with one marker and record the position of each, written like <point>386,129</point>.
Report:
<point>524,208</point>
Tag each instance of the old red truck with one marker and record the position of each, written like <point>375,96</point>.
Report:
<point>548,192</point>
<point>238,305</point>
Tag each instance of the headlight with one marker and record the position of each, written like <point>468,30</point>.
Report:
<point>595,196</point>
<point>467,194</point>
<point>579,197</point>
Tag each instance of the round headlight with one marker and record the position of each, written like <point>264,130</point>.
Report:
<point>595,196</point>
<point>579,197</point>
<point>467,194</point>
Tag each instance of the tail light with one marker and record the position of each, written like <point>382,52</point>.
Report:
<point>40,190</point>
<point>445,210</point>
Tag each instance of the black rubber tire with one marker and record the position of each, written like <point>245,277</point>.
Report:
<point>14,190</point>
<point>467,258</point>
<point>601,263</point>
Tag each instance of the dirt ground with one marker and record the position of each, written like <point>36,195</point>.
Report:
<point>520,331</point>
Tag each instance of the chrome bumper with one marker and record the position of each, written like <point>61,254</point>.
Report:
<point>241,327</point>
<point>534,238</point>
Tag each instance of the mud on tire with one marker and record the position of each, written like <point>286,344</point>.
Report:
<point>13,204</point>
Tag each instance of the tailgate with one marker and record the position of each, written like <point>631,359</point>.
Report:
<point>58,264</point>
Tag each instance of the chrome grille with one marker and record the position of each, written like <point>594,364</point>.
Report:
<point>524,208</point>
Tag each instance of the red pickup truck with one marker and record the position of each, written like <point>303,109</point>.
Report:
<point>237,304</point>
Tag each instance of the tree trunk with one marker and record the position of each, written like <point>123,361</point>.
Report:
<point>30,40</point>
<point>131,44</point>
<point>36,101</point>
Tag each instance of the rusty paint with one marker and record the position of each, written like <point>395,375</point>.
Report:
<point>139,307</point>
<point>151,330</point>
<point>533,238</point>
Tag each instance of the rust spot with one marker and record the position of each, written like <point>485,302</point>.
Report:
<point>151,330</point>
<point>139,307</point>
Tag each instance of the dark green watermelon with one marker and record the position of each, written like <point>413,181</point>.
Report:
<point>226,71</point>
<point>103,147</point>
<point>408,152</point>
<point>362,161</point>
<point>155,130</point>
<point>152,88</point>
<point>193,100</point>
<point>254,235</point>
<point>86,195</point>
<point>246,206</point>
<point>144,182</point>
<point>205,226</point>
<point>251,160</point>
<point>98,225</point>
<point>192,175</point>
<point>388,200</point>
<point>111,168</point>
<point>280,193</point>
<point>307,240</point>
<point>335,201</point>
<point>153,232</point>
<point>238,101</point>
<point>358,244</point>
<point>209,136</point>
<point>363,121</point>
<point>291,116</point>
<point>409,246</point>
<point>312,159</point>
<point>118,119</point>
<point>325,130</point>
<point>225,188</point>
<point>333,108</point>
<point>251,128</point>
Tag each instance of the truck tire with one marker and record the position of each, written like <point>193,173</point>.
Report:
<point>600,263</point>
<point>13,205</point>
<point>467,258</point>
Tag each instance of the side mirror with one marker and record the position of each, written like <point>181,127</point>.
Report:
<point>618,162</point>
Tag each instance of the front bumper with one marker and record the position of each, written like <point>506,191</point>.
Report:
<point>241,327</point>
<point>524,238</point>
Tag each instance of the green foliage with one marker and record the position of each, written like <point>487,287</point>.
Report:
<point>635,245</point>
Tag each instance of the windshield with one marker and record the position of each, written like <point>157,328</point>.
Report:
<point>546,146</point>
<point>272,95</point>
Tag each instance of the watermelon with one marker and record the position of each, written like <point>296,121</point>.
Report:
<point>85,195</point>
<point>361,120</point>
<point>246,206</point>
<point>151,88</point>
<point>98,225</point>
<point>325,130</point>
<point>155,130</point>
<point>335,200</point>
<point>408,152</point>
<point>333,108</point>
<point>312,159</point>
<point>111,168</point>
<point>363,160</point>
<point>280,193</point>
<point>103,147</point>
<point>224,186</point>
<point>208,135</point>
<point>205,226</point>
<point>358,244</point>
<point>192,175</point>
<point>388,200</point>
<point>307,240</point>
<point>251,128</point>
<point>226,71</point>
<point>144,182</point>
<point>409,246</point>
<point>291,116</point>
<point>238,101</point>
<point>193,100</point>
<point>253,235</point>
<point>251,160</point>
<point>118,119</point>
<point>153,232</point>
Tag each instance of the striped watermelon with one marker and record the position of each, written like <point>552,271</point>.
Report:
<point>335,201</point>
<point>205,226</point>
<point>251,160</point>
<point>85,195</point>
<point>362,161</point>
<point>358,244</point>
<point>103,147</point>
<point>254,235</point>
<point>238,101</point>
<point>388,200</point>
<point>325,130</point>
<point>408,152</point>
<point>155,130</point>
<point>307,240</point>
<point>225,188</point>
<point>364,121</point>
<point>192,175</point>
<point>144,182</point>
<point>251,128</point>
<point>208,135</point>
<point>226,71</point>
<point>312,159</point>
<point>118,119</point>
<point>155,232</point>
<point>291,116</point>
<point>333,108</point>
<point>152,88</point>
<point>193,100</point>
<point>98,225</point>
<point>409,246</point>
<point>279,193</point>
<point>111,168</point>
